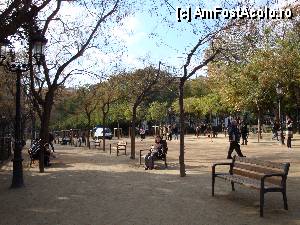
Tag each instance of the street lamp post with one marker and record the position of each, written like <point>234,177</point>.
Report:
<point>7,59</point>
<point>279,93</point>
<point>17,180</point>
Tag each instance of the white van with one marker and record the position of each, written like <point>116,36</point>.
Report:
<point>98,133</point>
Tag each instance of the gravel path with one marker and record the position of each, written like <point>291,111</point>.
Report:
<point>91,187</point>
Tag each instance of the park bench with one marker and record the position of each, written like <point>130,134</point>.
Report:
<point>66,141</point>
<point>58,140</point>
<point>94,143</point>
<point>120,146</point>
<point>261,175</point>
<point>34,152</point>
<point>162,157</point>
<point>97,143</point>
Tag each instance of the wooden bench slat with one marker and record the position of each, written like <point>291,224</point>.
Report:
<point>120,146</point>
<point>257,168</point>
<point>256,176</point>
<point>261,162</point>
<point>246,181</point>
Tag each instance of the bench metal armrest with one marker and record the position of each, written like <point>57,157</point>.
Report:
<point>282,175</point>
<point>142,150</point>
<point>273,175</point>
<point>221,164</point>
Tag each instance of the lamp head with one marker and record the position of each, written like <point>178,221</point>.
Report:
<point>38,42</point>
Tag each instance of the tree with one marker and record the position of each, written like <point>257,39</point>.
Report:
<point>18,14</point>
<point>157,111</point>
<point>205,48</point>
<point>66,55</point>
<point>186,75</point>
<point>139,85</point>
<point>7,90</point>
<point>86,99</point>
<point>108,92</point>
<point>247,78</point>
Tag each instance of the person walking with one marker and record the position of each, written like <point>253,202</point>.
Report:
<point>234,139</point>
<point>142,133</point>
<point>175,132</point>
<point>170,133</point>
<point>50,141</point>
<point>289,132</point>
<point>275,129</point>
<point>244,132</point>
<point>197,133</point>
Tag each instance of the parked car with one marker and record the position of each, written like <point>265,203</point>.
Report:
<point>98,133</point>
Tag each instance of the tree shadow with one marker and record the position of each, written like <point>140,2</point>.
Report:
<point>90,196</point>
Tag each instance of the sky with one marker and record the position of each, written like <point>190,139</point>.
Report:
<point>148,38</point>
<point>175,43</point>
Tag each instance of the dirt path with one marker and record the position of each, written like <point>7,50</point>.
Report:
<point>87,187</point>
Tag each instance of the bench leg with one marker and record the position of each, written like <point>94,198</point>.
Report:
<point>285,200</point>
<point>213,186</point>
<point>232,186</point>
<point>125,150</point>
<point>262,202</point>
<point>166,165</point>
<point>140,158</point>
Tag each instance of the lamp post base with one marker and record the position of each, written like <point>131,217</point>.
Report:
<point>17,180</point>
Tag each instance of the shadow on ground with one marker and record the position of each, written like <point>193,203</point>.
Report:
<point>135,197</point>
<point>91,187</point>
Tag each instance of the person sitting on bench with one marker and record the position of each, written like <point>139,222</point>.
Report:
<point>156,152</point>
<point>35,150</point>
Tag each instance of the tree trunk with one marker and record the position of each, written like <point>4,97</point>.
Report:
<point>103,121</point>
<point>298,124</point>
<point>88,137</point>
<point>44,130</point>
<point>118,130</point>
<point>132,137</point>
<point>32,126</point>
<point>258,127</point>
<point>182,128</point>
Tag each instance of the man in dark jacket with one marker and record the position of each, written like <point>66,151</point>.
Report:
<point>234,139</point>
<point>244,132</point>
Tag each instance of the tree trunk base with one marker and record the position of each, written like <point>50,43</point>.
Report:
<point>182,172</point>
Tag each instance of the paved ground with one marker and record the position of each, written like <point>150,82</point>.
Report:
<point>92,187</point>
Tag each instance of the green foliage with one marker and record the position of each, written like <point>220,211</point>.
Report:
<point>157,111</point>
<point>196,87</point>
<point>242,79</point>
<point>249,83</point>
<point>120,111</point>
<point>210,104</point>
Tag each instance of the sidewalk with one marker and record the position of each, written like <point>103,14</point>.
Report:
<point>87,187</point>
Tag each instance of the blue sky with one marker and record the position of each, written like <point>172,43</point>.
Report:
<point>173,41</point>
<point>170,44</point>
